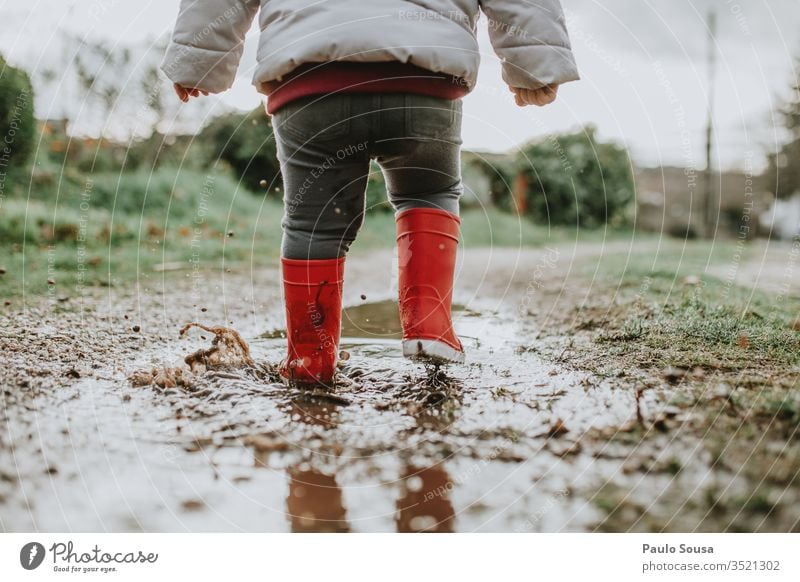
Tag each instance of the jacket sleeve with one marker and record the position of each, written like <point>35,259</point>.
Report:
<point>530,37</point>
<point>207,43</point>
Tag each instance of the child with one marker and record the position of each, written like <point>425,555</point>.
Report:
<point>351,81</point>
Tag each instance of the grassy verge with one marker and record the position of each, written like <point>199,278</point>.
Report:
<point>715,367</point>
<point>666,311</point>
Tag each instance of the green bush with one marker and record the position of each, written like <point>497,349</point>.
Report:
<point>141,204</point>
<point>246,143</point>
<point>175,196</point>
<point>496,169</point>
<point>576,180</point>
<point>17,124</point>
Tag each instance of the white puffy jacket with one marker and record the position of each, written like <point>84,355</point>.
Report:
<point>529,36</point>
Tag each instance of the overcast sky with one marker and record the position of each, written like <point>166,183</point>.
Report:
<point>643,64</point>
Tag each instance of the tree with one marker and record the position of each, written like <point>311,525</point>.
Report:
<point>784,172</point>
<point>574,180</point>
<point>122,95</point>
<point>90,62</point>
<point>17,124</point>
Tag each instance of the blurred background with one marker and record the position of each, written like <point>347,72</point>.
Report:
<point>685,124</point>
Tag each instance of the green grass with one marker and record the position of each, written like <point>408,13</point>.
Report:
<point>682,317</point>
<point>483,227</point>
<point>109,230</point>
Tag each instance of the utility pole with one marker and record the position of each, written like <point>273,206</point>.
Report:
<point>711,201</point>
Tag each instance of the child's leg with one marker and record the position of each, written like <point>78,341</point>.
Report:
<point>325,178</point>
<point>423,174</point>
<point>423,178</point>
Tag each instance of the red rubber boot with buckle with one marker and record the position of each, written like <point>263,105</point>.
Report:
<point>427,239</point>
<point>313,295</point>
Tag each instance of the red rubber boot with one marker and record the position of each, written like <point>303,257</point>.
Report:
<point>427,239</point>
<point>313,295</point>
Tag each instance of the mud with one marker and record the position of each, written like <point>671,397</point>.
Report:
<point>210,438</point>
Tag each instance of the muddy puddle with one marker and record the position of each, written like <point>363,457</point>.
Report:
<point>515,440</point>
<point>491,445</point>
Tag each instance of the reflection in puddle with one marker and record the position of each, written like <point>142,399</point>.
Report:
<point>425,502</point>
<point>314,503</point>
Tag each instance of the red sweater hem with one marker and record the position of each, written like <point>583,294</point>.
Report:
<point>357,77</point>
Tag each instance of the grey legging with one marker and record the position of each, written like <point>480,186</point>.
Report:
<point>325,144</point>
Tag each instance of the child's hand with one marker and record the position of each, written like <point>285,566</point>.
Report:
<point>184,93</point>
<point>541,97</point>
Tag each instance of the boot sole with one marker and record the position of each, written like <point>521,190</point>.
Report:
<point>432,351</point>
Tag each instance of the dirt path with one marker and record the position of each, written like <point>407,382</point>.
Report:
<point>523,438</point>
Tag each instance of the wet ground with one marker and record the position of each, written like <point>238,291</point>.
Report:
<point>515,440</point>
